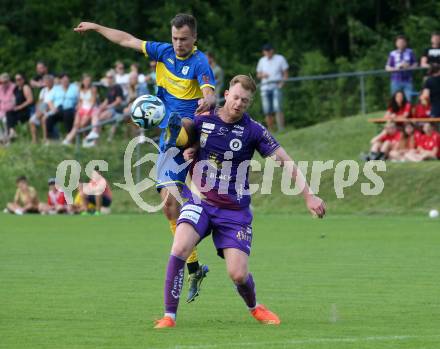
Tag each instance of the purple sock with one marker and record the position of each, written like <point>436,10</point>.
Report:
<point>173,283</point>
<point>247,292</point>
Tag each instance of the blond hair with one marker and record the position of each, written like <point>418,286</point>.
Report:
<point>245,81</point>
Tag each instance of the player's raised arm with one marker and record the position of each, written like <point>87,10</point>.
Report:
<point>117,36</point>
<point>315,204</point>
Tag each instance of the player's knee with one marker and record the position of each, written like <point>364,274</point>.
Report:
<point>238,276</point>
<point>181,251</point>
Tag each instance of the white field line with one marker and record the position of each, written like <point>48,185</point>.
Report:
<point>306,341</point>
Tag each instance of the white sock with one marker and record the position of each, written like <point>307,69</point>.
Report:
<point>171,315</point>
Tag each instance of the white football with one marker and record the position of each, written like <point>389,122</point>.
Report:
<point>433,214</point>
<point>147,111</point>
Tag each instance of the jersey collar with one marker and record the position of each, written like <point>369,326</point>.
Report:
<point>189,55</point>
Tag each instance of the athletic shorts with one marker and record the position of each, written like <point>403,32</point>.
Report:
<point>229,228</point>
<point>83,112</point>
<point>106,201</point>
<point>170,169</point>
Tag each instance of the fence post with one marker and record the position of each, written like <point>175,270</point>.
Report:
<point>362,91</point>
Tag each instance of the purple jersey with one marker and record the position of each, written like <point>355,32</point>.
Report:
<point>222,168</point>
<point>396,58</point>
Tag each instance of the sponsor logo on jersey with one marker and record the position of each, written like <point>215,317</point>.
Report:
<point>185,70</point>
<point>235,144</point>
<point>208,127</point>
<point>238,133</point>
<point>203,139</point>
<point>239,127</point>
<point>170,60</point>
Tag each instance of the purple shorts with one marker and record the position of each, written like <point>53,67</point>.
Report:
<point>230,228</point>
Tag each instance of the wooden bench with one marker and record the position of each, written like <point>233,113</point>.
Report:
<point>383,120</point>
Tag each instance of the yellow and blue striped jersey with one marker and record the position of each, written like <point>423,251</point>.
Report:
<point>179,79</point>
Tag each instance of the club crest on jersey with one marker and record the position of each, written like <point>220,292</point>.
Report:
<point>185,70</point>
<point>235,144</point>
<point>203,139</point>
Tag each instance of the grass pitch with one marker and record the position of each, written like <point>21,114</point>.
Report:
<point>343,282</point>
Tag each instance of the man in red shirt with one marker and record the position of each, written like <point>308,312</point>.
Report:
<point>56,202</point>
<point>384,142</point>
<point>428,145</point>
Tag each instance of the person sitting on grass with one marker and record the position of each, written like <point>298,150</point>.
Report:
<point>398,107</point>
<point>408,142</point>
<point>98,193</point>
<point>428,146</point>
<point>56,201</point>
<point>25,199</point>
<point>384,142</point>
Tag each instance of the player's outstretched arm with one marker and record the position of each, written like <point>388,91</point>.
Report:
<point>117,36</point>
<point>315,204</point>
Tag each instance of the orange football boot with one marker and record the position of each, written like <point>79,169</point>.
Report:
<point>165,322</point>
<point>265,316</point>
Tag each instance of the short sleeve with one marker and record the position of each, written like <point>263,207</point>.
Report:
<point>154,50</point>
<point>204,74</point>
<point>119,92</point>
<point>390,61</point>
<point>266,144</point>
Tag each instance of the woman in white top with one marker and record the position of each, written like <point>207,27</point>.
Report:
<point>86,107</point>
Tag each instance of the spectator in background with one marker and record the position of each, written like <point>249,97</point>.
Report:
<point>7,103</point>
<point>432,54</point>
<point>408,142</point>
<point>121,77</point>
<point>384,142</point>
<point>398,107</point>
<point>62,106</point>
<point>134,90</point>
<point>98,193</point>
<point>86,107</point>
<point>272,67</point>
<point>150,78</point>
<point>42,108</point>
<point>431,90</point>
<point>218,75</point>
<point>25,199</point>
<point>56,202</point>
<point>108,109</point>
<point>428,146</point>
<point>134,69</point>
<point>23,102</point>
<point>422,109</point>
<point>41,71</point>
<point>398,60</point>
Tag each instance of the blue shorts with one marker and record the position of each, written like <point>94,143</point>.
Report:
<point>106,201</point>
<point>167,167</point>
<point>271,101</point>
<point>230,228</point>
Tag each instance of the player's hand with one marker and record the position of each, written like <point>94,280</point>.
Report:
<point>316,206</point>
<point>204,106</point>
<point>85,26</point>
<point>189,154</point>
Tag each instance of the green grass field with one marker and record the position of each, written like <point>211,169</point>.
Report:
<point>342,282</point>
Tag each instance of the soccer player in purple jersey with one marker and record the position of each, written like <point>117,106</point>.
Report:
<point>228,140</point>
<point>186,86</point>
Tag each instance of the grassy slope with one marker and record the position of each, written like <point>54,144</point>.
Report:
<point>96,282</point>
<point>408,187</point>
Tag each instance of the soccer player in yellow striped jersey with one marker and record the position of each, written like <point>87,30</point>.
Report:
<point>186,86</point>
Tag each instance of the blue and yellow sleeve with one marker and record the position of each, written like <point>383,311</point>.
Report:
<point>154,50</point>
<point>205,75</point>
